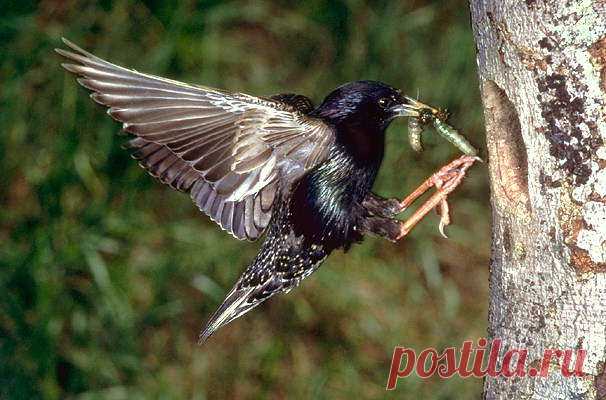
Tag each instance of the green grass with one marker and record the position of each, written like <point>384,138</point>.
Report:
<point>107,276</point>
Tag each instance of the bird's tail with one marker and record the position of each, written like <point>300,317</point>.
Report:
<point>282,263</point>
<point>235,304</point>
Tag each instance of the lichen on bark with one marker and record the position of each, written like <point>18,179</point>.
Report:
<point>541,66</point>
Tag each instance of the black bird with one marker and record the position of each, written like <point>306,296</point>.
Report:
<point>279,165</point>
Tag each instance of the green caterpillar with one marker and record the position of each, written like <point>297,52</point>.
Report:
<point>427,115</point>
<point>416,126</point>
<point>454,137</point>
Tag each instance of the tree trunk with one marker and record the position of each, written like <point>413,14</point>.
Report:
<point>542,70</point>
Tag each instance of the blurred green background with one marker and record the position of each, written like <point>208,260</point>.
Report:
<point>106,276</point>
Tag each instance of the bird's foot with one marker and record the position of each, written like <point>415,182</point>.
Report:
<point>445,181</point>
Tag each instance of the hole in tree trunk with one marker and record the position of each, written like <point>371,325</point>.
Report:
<point>507,149</point>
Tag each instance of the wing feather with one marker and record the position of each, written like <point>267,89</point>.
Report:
<point>232,152</point>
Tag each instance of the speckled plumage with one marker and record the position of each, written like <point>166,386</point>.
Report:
<point>279,166</point>
<point>321,212</point>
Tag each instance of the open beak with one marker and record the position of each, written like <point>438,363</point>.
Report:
<point>404,110</point>
<point>411,108</point>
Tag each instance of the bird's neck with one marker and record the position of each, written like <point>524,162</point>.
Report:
<point>364,143</point>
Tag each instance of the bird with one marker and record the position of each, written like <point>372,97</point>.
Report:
<point>276,167</point>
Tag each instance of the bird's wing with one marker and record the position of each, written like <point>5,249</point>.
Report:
<point>296,101</point>
<point>231,151</point>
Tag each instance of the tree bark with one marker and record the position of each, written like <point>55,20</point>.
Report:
<point>542,70</point>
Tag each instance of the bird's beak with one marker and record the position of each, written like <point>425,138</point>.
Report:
<point>404,110</point>
<point>410,108</point>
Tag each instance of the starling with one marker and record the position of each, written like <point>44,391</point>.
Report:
<point>275,166</point>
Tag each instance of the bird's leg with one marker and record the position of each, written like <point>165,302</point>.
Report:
<point>385,227</point>
<point>445,180</point>
<point>380,206</point>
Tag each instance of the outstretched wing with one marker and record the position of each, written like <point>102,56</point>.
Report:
<point>232,152</point>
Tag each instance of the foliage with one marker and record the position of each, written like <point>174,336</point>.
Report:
<point>107,276</point>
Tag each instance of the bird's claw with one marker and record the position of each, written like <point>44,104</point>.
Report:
<point>444,217</point>
<point>445,181</point>
<point>441,229</point>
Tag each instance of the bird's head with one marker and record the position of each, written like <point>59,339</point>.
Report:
<point>369,104</point>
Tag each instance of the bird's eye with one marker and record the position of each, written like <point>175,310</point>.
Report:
<point>384,102</point>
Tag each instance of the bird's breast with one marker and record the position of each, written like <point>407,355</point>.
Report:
<point>325,205</point>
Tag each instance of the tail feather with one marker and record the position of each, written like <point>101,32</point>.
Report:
<point>284,260</point>
<point>235,304</point>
